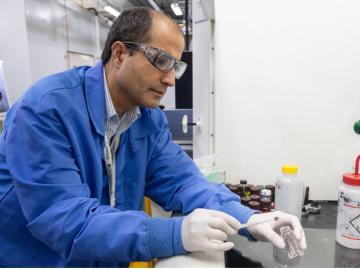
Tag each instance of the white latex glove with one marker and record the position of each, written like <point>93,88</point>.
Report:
<point>207,230</point>
<point>269,231</point>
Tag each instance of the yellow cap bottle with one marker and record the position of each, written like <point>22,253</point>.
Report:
<point>290,169</point>
<point>289,190</point>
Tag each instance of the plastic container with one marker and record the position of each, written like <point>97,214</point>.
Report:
<point>289,191</point>
<point>348,217</point>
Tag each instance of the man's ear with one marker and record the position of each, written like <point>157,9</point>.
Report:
<point>119,52</point>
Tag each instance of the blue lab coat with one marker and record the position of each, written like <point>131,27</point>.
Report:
<point>54,203</point>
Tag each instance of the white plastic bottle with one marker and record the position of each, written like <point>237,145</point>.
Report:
<point>289,191</point>
<point>348,218</point>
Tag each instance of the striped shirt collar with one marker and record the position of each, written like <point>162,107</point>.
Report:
<point>116,124</point>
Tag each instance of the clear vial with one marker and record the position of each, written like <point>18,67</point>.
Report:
<point>292,244</point>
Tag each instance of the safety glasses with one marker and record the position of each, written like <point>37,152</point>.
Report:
<point>159,59</point>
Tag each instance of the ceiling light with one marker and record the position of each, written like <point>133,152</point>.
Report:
<point>112,11</point>
<point>175,7</point>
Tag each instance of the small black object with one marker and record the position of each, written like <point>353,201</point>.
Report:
<point>357,127</point>
<point>304,212</point>
<point>306,198</point>
<point>235,259</point>
<point>313,208</point>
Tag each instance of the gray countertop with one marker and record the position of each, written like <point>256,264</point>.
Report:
<point>322,251</point>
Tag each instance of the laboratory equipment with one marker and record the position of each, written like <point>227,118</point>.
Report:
<point>348,218</point>
<point>292,244</point>
<point>289,191</point>
<point>312,208</point>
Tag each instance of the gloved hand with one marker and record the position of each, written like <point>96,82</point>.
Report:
<point>269,231</point>
<point>207,230</point>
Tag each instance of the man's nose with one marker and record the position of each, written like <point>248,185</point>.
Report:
<point>169,78</point>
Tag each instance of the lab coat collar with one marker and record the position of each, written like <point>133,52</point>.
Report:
<point>95,99</point>
<point>143,126</point>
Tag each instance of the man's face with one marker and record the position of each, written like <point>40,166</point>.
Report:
<point>142,84</point>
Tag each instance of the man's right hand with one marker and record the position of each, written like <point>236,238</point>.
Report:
<point>207,230</point>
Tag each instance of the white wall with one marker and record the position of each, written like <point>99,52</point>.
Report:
<point>35,36</point>
<point>287,82</point>
<point>169,99</point>
<point>47,37</point>
<point>53,30</point>
<point>14,49</point>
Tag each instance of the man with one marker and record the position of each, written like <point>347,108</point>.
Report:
<point>81,148</point>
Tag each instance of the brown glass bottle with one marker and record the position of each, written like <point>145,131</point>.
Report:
<point>254,205</point>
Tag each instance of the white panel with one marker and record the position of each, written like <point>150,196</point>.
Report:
<point>79,59</point>
<point>47,37</point>
<point>202,89</point>
<point>169,99</point>
<point>81,30</point>
<point>14,50</point>
<point>287,78</point>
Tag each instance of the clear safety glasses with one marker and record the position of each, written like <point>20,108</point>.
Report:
<point>159,59</point>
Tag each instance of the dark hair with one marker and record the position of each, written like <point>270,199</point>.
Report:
<point>132,25</point>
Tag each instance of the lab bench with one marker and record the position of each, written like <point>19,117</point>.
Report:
<point>322,249</point>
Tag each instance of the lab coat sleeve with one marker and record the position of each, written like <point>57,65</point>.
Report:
<point>55,200</point>
<point>175,183</point>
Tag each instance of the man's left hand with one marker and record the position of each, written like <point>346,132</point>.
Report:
<point>268,231</point>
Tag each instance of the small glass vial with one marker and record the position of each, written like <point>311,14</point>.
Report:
<point>265,205</point>
<point>242,185</point>
<point>238,190</point>
<point>247,190</point>
<point>265,193</point>
<point>255,198</point>
<point>265,200</point>
<point>254,191</point>
<point>272,188</point>
<point>245,200</point>
<point>292,244</point>
<point>233,188</point>
<point>228,185</point>
<point>254,205</point>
